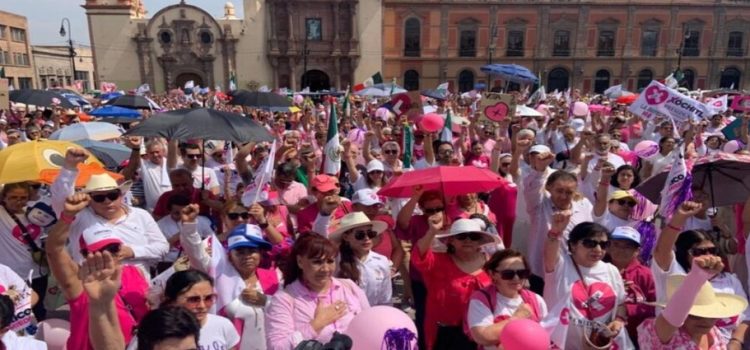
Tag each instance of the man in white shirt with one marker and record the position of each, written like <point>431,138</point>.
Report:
<point>203,177</point>
<point>442,154</point>
<point>170,225</point>
<point>152,171</point>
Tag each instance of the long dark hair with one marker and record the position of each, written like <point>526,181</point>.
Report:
<point>586,230</point>
<point>310,246</point>
<point>626,167</point>
<point>348,262</point>
<point>500,256</point>
<point>164,323</point>
<point>181,281</point>
<point>685,241</point>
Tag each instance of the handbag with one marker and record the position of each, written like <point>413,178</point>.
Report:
<point>597,336</point>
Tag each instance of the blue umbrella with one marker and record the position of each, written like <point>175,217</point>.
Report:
<point>109,95</point>
<point>115,114</point>
<point>111,154</point>
<point>511,72</point>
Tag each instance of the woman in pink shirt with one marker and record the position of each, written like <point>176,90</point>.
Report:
<point>313,304</point>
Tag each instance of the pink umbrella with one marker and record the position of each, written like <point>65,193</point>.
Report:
<point>450,180</point>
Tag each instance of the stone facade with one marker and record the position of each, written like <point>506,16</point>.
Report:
<point>588,45</point>
<point>15,51</point>
<point>52,66</point>
<point>266,46</point>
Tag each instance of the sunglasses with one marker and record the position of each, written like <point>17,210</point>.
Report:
<point>592,243</point>
<point>625,202</point>
<point>99,198</point>
<point>361,234</point>
<point>704,251</point>
<point>504,164</point>
<point>235,216</point>
<point>196,299</point>
<point>193,156</point>
<point>474,236</point>
<point>431,211</point>
<point>390,151</point>
<point>511,274</point>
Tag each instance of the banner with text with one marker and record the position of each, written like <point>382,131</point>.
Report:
<point>657,99</point>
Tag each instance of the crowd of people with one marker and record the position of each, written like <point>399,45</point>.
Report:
<point>177,249</point>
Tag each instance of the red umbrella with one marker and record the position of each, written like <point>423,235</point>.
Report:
<point>627,99</point>
<point>450,180</point>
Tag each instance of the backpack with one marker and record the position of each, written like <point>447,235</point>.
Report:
<point>488,297</point>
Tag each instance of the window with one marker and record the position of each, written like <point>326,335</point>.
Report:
<point>17,34</point>
<point>2,57</point>
<point>468,43</point>
<point>83,76</point>
<point>6,57</point>
<point>649,40</point>
<point>465,81</point>
<point>2,32</point>
<point>606,44</point>
<point>601,81</point>
<point>644,78</point>
<point>206,38</point>
<point>411,80</point>
<point>691,45</point>
<point>730,78</point>
<point>313,29</point>
<point>165,37</point>
<point>561,45</point>
<point>25,59</point>
<point>688,79</point>
<point>558,79</point>
<point>515,44</point>
<point>11,81</point>
<point>734,46</point>
<point>412,32</point>
<point>24,83</point>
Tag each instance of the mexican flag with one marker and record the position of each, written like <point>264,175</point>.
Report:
<point>408,146</point>
<point>347,105</point>
<point>376,78</point>
<point>332,150</point>
<point>447,133</point>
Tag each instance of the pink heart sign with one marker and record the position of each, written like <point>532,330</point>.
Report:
<point>595,302</point>
<point>496,112</point>
<point>656,95</point>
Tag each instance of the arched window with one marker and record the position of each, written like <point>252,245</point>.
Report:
<point>730,78</point>
<point>644,78</point>
<point>606,44</point>
<point>412,29</point>
<point>468,43</point>
<point>411,80</point>
<point>601,81</point>
<point>561,44</point>
<point>558,79</point>
<point>688,79</point>
<point>465,80</point>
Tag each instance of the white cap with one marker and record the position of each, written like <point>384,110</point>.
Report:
<point>540,149</point>
<point>367,197</point>
<point>627,233</point>
<point>578,124</point>
<point>375,165</point>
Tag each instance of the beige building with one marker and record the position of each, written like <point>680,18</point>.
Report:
<point>15,51</point>
<point>53,67</point>
<point>278,43</point>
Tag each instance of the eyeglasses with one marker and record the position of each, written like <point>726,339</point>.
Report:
<point>196,299</point>
<point>446,151</point>
<point>474,236</point>
<point>704,251</point>
<point>624,202</point>
<point>112,195</point>
<point>235,216</point>
<point>193,156</point>
<point>431,211</point>
<point>510,274</point>
<point>390,151</point>
<point>361,234</point>
<point>592,243</point>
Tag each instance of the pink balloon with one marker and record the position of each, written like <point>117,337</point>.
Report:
<point>368,328</point>
<point>382,113</point>
<point>646,149</point>
<point>580,109</point>
<point>523,334</point>
<point>54,332</point>
<point>298,99</point>
<point>431,122</point>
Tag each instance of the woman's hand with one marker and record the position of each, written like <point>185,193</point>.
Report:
<point>256,210</point>
<point>253,297</point>
<point>709,263</point>
<point>189,213</point>
<point>524,311</point>
<point>326,314</point>
<point>436,222</point>
<point>100,275</point>
<point>688,209</point>
<point>559,221</point>
<point>73,157</point>
<point>615,327</point>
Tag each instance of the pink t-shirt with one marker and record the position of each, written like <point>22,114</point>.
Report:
<point>648,339</point>
<point>130,303</point>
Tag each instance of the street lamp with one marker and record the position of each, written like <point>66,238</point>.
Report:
<point>71,50</point>
<point>677,73</point>
<point>493,37</point>
<point>305,53</point>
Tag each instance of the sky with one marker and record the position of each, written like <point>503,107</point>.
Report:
<point>45,16</point>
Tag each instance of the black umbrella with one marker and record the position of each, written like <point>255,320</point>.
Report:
<point>130,101</point>
<point>202,123</point>
<point>261,100</point>
<point>42,98</point>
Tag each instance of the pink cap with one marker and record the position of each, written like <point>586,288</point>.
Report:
<point>98,236</point>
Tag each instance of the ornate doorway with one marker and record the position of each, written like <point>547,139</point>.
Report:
<point>316,80</point>
<point>185,77</point>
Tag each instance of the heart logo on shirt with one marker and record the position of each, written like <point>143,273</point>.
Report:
<point>34,232</point>
<point>598,301</point>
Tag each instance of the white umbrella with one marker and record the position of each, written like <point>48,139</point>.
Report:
<point>372,91</point>
<point>523,111</point>
<point>97,131</point>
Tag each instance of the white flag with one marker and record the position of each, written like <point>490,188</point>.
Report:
<point>189,85</point>
<point>257,190</point>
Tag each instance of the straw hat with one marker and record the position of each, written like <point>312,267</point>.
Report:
<point>355,220</point>
<point>470,225</point>
<point>708,304</point>
<point>105,182</point>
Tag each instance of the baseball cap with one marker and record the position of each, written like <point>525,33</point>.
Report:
<point>367,197</point>
<point>539,149</point>
<point>375,165</point>
<point>627,233</point>
<point>325,183</point>
<point>247,235</point>
<point>98,236</point>
<point>578,124</point>
<point>620,194</point>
